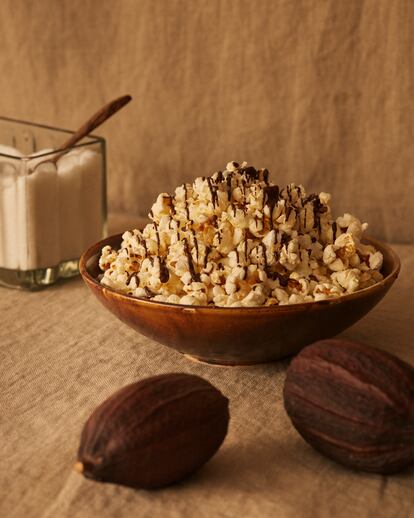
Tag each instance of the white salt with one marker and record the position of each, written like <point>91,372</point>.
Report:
<point>52,214</point>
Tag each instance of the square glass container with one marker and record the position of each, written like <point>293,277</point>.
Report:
<point>50,212</point>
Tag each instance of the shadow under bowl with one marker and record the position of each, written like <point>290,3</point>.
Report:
<point>237,336</point>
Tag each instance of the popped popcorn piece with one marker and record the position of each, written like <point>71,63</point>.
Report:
<point>345,246</point>
<point>329,255</point>
<point>325,291</point>
<point>347,279</point>
<point>375,261</point>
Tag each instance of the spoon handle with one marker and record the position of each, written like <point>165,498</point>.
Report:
<point>93,122</point>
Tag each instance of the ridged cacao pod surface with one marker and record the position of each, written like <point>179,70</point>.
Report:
<point>154,432</point>
<point>353,403</point>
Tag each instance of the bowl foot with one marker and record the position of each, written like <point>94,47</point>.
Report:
<point>220,363</point>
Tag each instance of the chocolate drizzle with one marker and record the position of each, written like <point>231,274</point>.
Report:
<point>284,239</point>
<point>283,279</point>
<point>133,275</point>
<point>228,184</point>
<point>311,198</point>
<point>195,242</point>
<point>250,173</point>
<point>318,209</point>
<point>271,274</point>
<point>270,198</point>
<point>164,273</point>
<point>149,293</point>
<point>213,192</point>
<point>274,275</point>
<point>206,253</point>
<point>317,221</point>
<point>271,195</point>
<point>334,229</point>
<point>194,275</point>
<point>288,212</point>
<point>263,247</point>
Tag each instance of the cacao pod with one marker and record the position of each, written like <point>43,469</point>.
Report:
<point>353,403</point>
<point>154,432</point>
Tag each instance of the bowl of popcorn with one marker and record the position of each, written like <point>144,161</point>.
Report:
<point>232,269</point>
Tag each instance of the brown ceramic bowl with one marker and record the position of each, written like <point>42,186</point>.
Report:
<point>237,336</point>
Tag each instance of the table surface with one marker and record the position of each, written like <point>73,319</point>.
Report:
<point>62,354</point>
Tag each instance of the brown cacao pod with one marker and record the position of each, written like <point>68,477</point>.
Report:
<point>154,432</point>
<point>353,403</point>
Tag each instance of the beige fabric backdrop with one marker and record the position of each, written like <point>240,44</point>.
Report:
<point>320,92</point>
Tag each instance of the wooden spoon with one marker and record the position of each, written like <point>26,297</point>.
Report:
<point>93,122</point>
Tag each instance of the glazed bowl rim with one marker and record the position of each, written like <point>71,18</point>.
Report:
<point>87,255</point>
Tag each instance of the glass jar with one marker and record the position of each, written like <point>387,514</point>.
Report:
<point>50,212</point>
